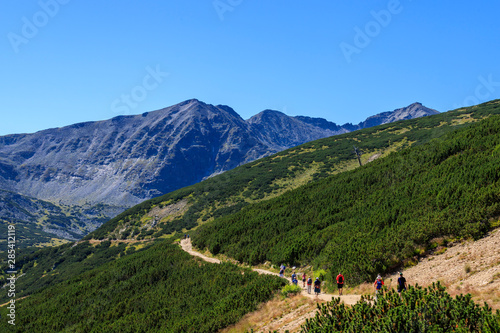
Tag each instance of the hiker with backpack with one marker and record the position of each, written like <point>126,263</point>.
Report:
<point>309,284</point>
<point>294,278</point>
<point>378,285</point>
<point>340,283</point>
<point>317,286</point>
<point>401,283</point>
<point>282,270</point>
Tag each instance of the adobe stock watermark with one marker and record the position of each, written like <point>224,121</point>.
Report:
<point>223,6</point>
<point>139,93</point>
<point>364,35</point>
<point>484,92</point>
<point>30,27</point>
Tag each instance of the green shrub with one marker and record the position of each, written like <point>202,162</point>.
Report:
<point>416,310</point>
<point>321,274</point>
<point>291,289</point>
<point>159,289</point>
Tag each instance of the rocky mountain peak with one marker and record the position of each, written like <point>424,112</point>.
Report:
<point>415,110</point>
<point>127,159</point>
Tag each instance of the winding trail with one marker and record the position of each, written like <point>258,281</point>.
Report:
<point>347,299</point>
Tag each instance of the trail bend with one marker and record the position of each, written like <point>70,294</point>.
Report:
<point>347,299</point>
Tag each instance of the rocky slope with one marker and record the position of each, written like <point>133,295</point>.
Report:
<point>40,222</point>
<point>125,160</point>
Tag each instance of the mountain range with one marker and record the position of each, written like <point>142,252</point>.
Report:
<point>123,161</point>
<point>434,184</point>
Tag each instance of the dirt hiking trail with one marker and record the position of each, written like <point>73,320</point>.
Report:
<point>347,299</point>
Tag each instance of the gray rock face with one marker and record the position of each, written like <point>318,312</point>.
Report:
<point>415,110</point>
<point>279,131</point>
<point>127,159</point>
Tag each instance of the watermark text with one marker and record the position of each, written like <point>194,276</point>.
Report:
<point>31,26</point>
<point>11,263</point>
<point>139,93</point>
<point>364,35</point>
<point>223,6</point>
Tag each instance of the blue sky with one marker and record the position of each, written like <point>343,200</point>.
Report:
<point>69,61</point>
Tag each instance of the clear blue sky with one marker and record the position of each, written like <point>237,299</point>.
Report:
<point>69,61</point>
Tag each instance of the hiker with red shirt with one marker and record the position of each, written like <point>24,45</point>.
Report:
<point>304,277</point>
<point>340,283</point>
<point>378,285</point>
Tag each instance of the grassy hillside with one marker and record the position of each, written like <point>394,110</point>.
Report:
<point>270,177</point>
<point>375,218</point>
<point>161,289</point>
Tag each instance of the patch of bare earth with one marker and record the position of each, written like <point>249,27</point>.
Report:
<point>468,267</point>
<point>373,157</point>
<point>169,212</point>
<point>278,314</point>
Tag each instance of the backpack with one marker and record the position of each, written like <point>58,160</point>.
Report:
<point>309,281</point>
<point>341,279</point>
<point>379,284</point>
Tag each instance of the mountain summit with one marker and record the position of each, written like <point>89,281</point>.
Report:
<point>127,159</point>
<point>415,110</point>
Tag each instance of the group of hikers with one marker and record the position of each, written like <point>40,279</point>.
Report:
<point>378,284</point>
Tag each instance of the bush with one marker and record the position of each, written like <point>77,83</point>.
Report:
<point>416,310</point>
<point>159,289</point>
<point>291,289</point>
<point>321,273</point>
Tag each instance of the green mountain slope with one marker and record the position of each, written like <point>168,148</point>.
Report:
<point>374,218</point>
<point>161,289</point>
<point>270,177</point>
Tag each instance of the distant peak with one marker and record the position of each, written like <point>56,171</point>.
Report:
<point>272,112</point>
<point>192,101</point>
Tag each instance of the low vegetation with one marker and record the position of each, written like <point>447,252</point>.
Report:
<point>290,290</point>
<point>43,268</point>
<point>417,310</point>
<point>162,289</point>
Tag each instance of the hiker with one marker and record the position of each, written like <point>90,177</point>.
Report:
<point>340,283</point>
<point>317,286</point>
<point>282,270</point>
<point>294,278</point>
<point>401,283</point>
<point>304,280</point>
<point>309,284</point>
<point>378,285</point>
